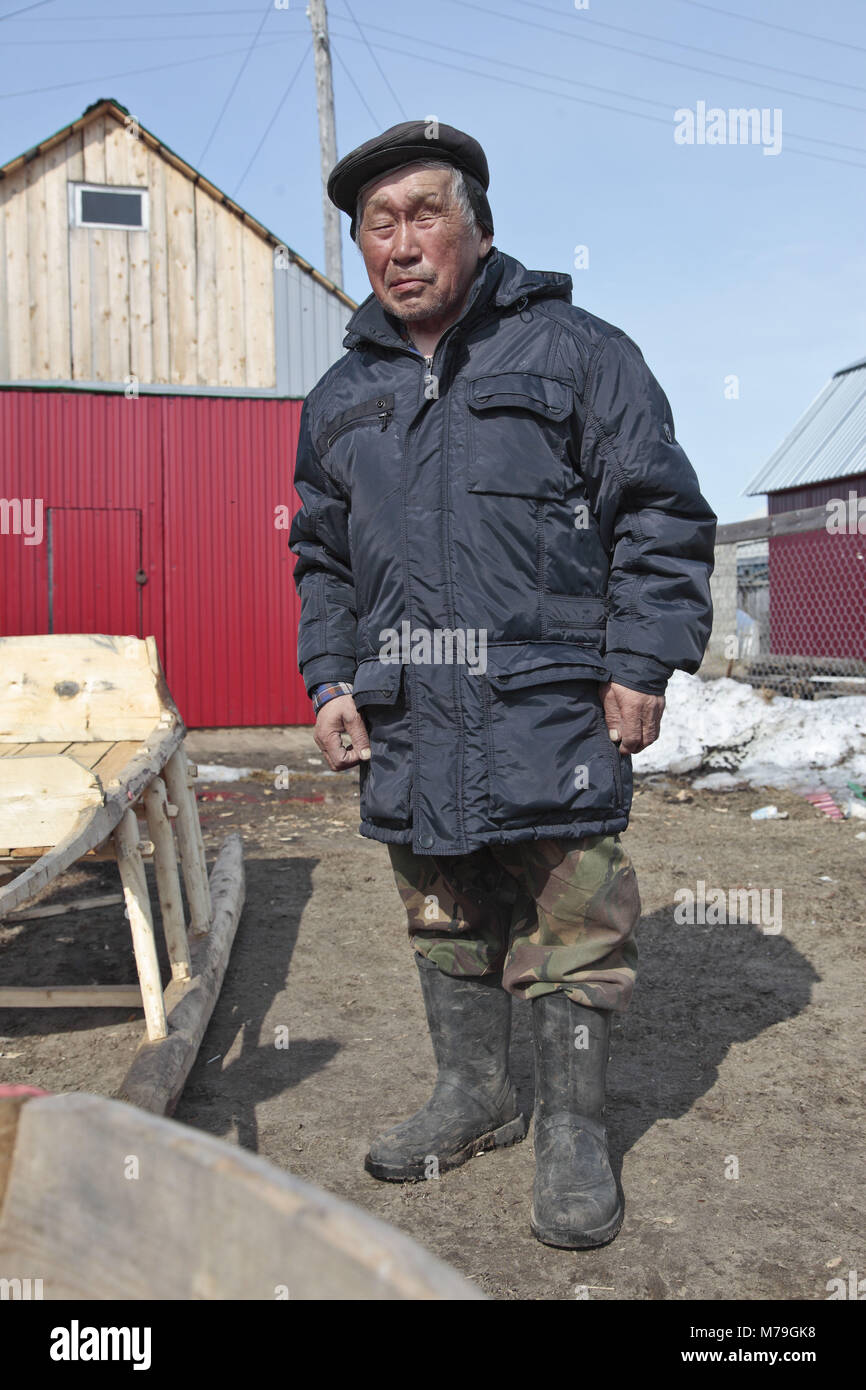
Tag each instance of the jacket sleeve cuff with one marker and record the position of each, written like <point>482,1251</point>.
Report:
<point>642,673</point>
<point>326,670</point>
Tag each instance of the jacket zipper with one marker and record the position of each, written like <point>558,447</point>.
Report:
<point>383,415</point>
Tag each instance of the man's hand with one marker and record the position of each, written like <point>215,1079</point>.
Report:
<point>336,717</point>
<point>632,717</point>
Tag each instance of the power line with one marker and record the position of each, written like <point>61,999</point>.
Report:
<point>693,48</point>
<point>242,34</point>
<point>130,72</point>
<point>590,86</point>
<point>268,10</point>
<point>26,8</point>
<point>131,38</point>
<point>652,57</point>
<point>348,73</point>
<point>586,101</point>
<point>382,73</point>
<point>128,18</point>
<point>782,28</point>
<point>426,57</point>
<point>292,80</point>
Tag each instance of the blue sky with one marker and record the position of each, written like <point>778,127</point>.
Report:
<point>718,259</point>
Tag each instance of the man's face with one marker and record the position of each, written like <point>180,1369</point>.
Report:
<point>420,255</point>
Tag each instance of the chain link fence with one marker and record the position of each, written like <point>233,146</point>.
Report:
<point>789,595</point>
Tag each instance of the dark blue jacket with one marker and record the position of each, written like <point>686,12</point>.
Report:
<point>525,494</point>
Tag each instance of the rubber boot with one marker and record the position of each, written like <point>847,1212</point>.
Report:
<point>473,1106</point>
<point>576,1203</point>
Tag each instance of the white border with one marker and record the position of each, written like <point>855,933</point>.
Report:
<point>76,189</point>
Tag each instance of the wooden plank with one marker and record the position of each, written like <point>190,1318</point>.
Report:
<point>42,798</point>
<point>232,353</point>
<point>112,765</point>
<point>785,524</point>
<point>5,287</point>
<point>37,266</point>
<point>8,750</point>
<point>89,754</point>
<point>259,350</point>
<point>18,277</point>
<point>156,1077</point>
<point>207,294</point>
<point>35,914</point>
<point>117,254</point>
<point>159,305</point>
<point>93,150</point>
<point>140,309</point>
<point>56,241</point>
<point>79,273</point>
<point>86,687</point>
<point>95,826</point>
<point>42,750</point>
<point>103,854</point>
<point>180,225</point>
<point>204,1219</point>
<point>70,997</point>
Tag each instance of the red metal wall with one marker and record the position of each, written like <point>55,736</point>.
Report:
<point>815,494</point>
<point>818,579</point>
<point>206,476</point>
<point>818,595</point>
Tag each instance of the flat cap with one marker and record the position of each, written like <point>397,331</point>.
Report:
<point>404,144</point>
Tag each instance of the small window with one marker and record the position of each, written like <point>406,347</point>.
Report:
<point>103,205</point>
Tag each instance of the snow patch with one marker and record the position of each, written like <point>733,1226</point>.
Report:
<point>219,772</point>
<point>725,726</point>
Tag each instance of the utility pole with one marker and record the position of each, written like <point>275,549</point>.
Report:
<point>318,16</point>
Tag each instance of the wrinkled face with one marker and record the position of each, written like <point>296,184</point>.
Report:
<point>420,255</point>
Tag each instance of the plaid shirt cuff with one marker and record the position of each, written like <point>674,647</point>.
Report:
<point>323,693</point>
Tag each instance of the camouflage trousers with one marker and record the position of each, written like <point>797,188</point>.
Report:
<point>548,914</point>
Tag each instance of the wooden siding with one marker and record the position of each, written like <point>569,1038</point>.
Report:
<point>189,302</point>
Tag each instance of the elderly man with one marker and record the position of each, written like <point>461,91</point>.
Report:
<point>502,555</point>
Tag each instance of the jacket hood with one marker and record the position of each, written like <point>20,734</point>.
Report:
<point>501,281</point>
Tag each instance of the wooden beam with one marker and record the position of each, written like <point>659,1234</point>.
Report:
<point>33,914</point>
<point>167,879</point>
<point>103,855</point>
<point>179,781</point>
<point>132,876</point>
<point>70,996</point>
<point>783,524</point>
<point>96,824</point>
<point>159,1070</point>
<point>204,1219</point>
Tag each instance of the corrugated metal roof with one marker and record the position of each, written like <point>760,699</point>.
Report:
<point>828,441</point>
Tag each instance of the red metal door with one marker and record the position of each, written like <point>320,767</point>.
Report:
<point>95,573</point>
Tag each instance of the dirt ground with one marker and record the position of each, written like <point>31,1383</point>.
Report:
<point>743,1049</point>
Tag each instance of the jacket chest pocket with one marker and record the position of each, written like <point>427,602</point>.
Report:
<point>518,432</point>
<point>376,411</point>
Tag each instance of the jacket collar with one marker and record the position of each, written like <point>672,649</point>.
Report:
<point>501,281</point>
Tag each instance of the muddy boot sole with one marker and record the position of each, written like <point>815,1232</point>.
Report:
<point>501,1138</point>
<point>564,1239</point>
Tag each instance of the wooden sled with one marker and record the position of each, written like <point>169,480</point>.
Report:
<point>88,733</point>
<point>195,1218</point>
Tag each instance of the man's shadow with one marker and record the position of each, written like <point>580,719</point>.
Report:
<point>81,948</point>
<point>271,1060</point>
<point>699,990</point>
